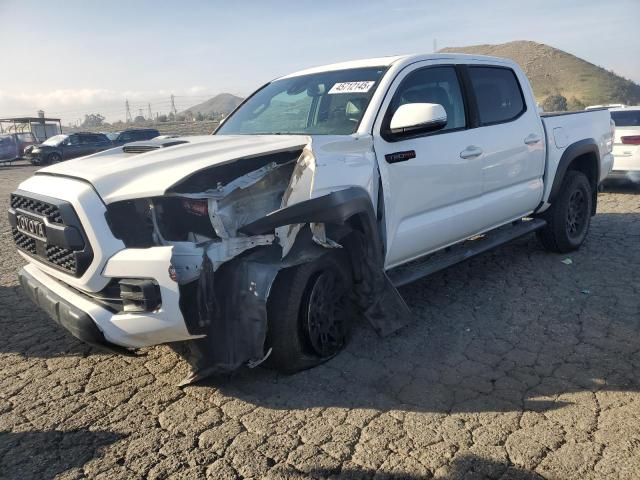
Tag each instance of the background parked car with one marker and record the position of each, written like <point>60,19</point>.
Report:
<point>133,135</point>
<point>13,145</point>
<point>626,149</point>
<point>64,147</point>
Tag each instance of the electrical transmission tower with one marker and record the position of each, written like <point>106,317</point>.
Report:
<point>174,110</point>
<point>128,118</point>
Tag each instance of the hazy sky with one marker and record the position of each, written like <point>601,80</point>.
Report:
<point>74,57</point>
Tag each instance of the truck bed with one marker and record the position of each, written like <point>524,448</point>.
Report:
<point>564,129</point>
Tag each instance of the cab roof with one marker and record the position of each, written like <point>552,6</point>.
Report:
<point>399,60</point>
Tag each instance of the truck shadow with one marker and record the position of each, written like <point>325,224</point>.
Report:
<point>46,454</point>
<point>462,467</point>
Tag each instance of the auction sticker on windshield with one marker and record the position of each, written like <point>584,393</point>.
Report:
<point>351,87</point>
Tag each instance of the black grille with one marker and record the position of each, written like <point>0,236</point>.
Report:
<point>65,245</point>
<point>38,207</point>
<point>62,257</point>
<point>24,242</point>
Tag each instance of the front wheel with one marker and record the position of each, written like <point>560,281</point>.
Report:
<point>309,313</point>
<point>569,216</point>
<point>54,158</point>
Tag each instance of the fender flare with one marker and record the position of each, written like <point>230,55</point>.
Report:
<point>573,151</point>
<point>334,208</point>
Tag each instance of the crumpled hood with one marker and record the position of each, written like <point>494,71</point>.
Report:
<point>117,175</point>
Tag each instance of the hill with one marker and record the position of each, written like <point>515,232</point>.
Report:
<point>221,104</point>
<point>555,72</point>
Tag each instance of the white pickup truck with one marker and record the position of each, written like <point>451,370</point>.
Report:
<point>318,196</point>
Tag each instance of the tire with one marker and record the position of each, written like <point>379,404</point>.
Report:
<point>309,313</point>
<point>569,216</point>
<point>53,158</point>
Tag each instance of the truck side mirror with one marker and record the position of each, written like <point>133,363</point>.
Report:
<point>416,118</point>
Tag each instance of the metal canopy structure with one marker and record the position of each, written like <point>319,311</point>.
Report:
<point>41,127</point>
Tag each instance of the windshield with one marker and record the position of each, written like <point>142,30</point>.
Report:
<point>626,118</point>
<point>55,140</point>
<point>326,103</point>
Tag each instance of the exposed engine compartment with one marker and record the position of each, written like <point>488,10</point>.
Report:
<point>207,206</point>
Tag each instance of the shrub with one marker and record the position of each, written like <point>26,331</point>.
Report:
<point>555,103</point>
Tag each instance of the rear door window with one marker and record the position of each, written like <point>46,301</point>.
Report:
<point>498,94</point>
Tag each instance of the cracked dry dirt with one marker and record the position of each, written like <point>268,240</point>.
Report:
<point>516,366</point>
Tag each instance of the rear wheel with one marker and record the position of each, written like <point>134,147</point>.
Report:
<point>309,313</point>
<point>569,216</point>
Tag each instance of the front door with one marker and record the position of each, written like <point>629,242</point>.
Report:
<point>431,182</point>
<point>71,147</point>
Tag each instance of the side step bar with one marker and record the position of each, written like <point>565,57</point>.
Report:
<point>435,262</point>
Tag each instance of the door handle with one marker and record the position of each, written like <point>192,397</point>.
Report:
<point>532,139</point>
<point>471,152</point>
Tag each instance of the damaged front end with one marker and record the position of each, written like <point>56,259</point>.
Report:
<point>234,226</point>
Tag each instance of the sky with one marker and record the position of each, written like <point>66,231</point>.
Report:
<point>75,57</point>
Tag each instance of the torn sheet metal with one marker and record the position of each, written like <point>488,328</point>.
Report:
<point>319,232</point>
<point>299,189</point>
<point>245,199</point>
<point>186,258</point>
<point>256,200</point>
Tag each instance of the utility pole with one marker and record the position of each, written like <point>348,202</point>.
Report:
<point>128,118</point>
<point>173,105</point>
<point>150,116</point>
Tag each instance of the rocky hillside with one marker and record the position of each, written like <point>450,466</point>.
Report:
<point>221,104</point>
<point>555,72</point>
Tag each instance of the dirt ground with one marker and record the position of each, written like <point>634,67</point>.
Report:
<point>517,366</point>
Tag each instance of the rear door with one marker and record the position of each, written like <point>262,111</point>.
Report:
<point>126,137</point>
<point>511,137</point>
<point>96,143</point>
<point>430,181</point>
